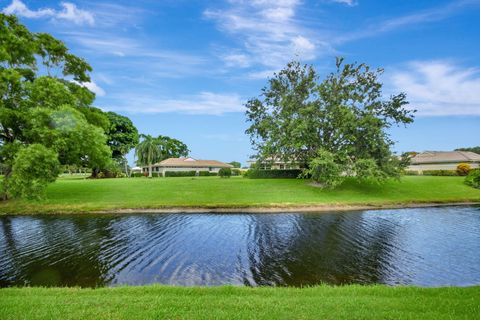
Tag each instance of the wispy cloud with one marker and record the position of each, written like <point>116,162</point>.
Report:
<point>202,103</point>
<point>68,12</point>
<point>350,3</point>
<point>418,18</point>
<point>439,88</point>
<point>267,32</point>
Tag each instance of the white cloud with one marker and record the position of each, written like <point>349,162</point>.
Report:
<point>18,8</point>
<point>95,88</point>
<point>202,103</point>
<point>69,12</point>
<point>92,86</point>
<point>439,88</point>
<point>268,32</point>
<point>236,60</point>
<point>303,47</point>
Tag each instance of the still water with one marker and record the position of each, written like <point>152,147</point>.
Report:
<point>426,247</point>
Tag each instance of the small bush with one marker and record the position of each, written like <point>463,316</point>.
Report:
<point>463,169</point>
<point>473,178</point>
<point>236,172</point>
<point>137,174</point>
<point>180,174</point>
<point>440,173</point>
<point>411,173</point>
<point>326,172</point>
<point>225,173</point>
<point>273,174</point>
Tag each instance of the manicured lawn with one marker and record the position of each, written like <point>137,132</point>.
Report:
<point>82,195</point>
<point>323,302</point>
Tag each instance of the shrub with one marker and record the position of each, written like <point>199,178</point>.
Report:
<point>180,174</point>
<point>411,173</point>
<point>473,178</point>
<point>137,174</point>
<point>225,172</point>
<point>236,172</point>
<point>368,170</point>
<point>440,173</point>
<point>34,168</point>
<point>273,174</point>
<point>463,169</point>
<point>206,174</point>
<point>325,171</point>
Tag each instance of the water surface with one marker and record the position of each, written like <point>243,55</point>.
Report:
<point>425,246</point>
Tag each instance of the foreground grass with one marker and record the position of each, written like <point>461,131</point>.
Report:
<point>84,195</point>
<point>159,302</point>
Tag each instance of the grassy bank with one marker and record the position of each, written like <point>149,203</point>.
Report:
<point>323,302</point>
<point>83,195</point>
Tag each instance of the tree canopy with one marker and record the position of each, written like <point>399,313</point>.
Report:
<point>342,119</point>
<point>46,114</point>
<point>235,164</point>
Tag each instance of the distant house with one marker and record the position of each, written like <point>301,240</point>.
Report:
<point>136,170</point>
<point>442,160</point>
<point>274,164</point>
<point>187,164</point>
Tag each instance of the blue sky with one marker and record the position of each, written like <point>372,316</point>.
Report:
<point>185,68</point>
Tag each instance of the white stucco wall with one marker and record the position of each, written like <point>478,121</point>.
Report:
<point>438,166</point>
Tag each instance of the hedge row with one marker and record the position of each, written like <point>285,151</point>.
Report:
<point>176,174</point>
<point>440,173</point>
<point>207,174</point>
<point>180,173</point>
<point>273,174</point>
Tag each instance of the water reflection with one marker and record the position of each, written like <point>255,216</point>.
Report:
<point>428,247</point>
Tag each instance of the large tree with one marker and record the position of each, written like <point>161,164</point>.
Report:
<point>171,148</point>
<point>44,110</point>
<point>122,137</point>
<point>299,118</point>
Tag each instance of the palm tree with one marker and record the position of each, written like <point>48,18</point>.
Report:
<point>148,152</point>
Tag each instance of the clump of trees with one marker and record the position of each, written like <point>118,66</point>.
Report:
<point>333,128</point>
<point>155,149</point>
<point>235,164</point>
<point>46,115</point>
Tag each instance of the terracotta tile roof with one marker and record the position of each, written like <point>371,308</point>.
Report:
<point>190,162</point>
<point>445,157</point>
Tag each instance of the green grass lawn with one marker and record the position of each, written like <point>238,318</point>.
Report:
<point>160,302</point>
<point>84,195</point>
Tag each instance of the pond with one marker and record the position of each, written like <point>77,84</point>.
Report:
<point>424,246</point>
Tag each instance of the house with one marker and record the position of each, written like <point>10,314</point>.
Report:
<point>136,170</point>
<point>274,164</point>
<point>187,164</point>
<point>442,160</point>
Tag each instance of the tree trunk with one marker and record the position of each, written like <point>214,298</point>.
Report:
<point>126,169</point>
<point>95,173</point>
<point>149,170</point>
<point>8,172</point>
